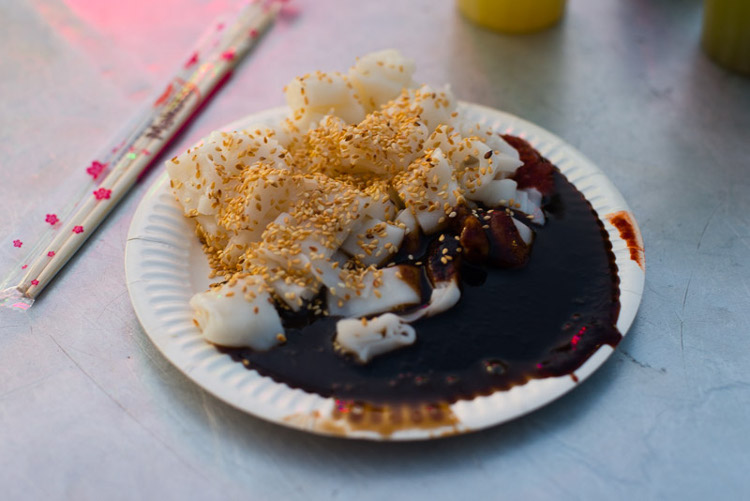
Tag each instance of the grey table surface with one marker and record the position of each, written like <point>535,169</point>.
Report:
<point>89,409</point>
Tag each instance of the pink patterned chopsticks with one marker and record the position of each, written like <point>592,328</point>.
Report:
<point>117,171</point>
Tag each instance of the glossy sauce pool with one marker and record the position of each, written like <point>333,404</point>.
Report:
<point>545,319</point>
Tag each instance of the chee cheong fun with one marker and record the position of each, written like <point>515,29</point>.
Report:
<point>309,215</point>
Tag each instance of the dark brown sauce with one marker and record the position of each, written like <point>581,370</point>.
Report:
<point>544,319</point>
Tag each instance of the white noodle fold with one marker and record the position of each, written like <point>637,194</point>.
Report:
<point>370,338</point>
<point>391,292</point>
<point>227,317</point>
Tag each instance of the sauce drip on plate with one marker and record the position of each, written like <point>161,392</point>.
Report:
<point>511,325</point>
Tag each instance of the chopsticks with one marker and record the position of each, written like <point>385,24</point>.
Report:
<point>204,70</point>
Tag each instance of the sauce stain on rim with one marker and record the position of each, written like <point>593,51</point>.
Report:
<point>625,224</point>
<point>350,417</point>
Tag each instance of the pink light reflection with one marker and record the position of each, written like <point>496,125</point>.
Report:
<point>155,34</point>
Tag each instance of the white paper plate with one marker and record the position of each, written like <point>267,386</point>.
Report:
<point>165,266</point>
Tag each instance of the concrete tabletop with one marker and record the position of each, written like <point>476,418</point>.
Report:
<point>89,409</point>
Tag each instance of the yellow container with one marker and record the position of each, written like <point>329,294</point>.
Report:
<point>513,16</point>
<point>726,33</point>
